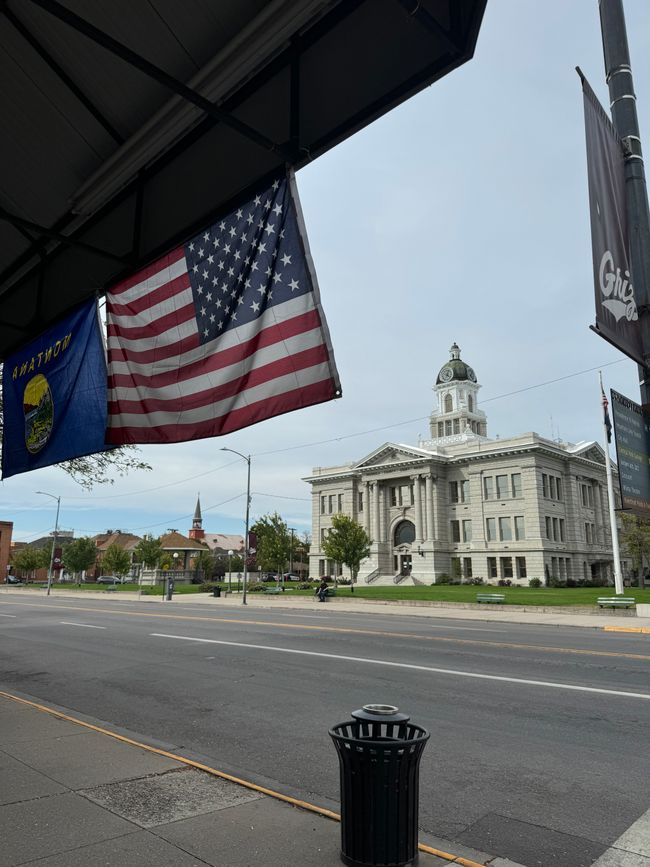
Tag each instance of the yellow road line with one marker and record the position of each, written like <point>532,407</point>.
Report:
<point>344,629</point>
<point>295,802</point>
<point>626,629</point>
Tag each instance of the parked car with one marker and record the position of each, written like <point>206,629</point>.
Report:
<point>12,579</point>
<point>109,579</point>
<point>291,576</point>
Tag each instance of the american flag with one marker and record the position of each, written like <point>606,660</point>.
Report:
<point>606,418</point>
<point>222,332</point>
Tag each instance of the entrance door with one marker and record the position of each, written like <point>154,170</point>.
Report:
<point>405,564</point>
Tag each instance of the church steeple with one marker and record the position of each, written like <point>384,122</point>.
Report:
<point>457,416</point>
<point>197,531</point>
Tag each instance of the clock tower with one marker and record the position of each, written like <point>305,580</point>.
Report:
<point>457,418</point>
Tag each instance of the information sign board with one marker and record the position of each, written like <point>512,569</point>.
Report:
<point>632,435</point>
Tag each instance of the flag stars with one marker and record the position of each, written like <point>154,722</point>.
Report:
<point>276,184</point>
<point>286,259</point>
<point>261,289</point>
<point>240,300</point>
<point>201,252</point>
<point>277,210</point>
<point>231,271</point>
<point>212,318</point>
<point>269,228</point>
<point>226,248</point>
<point>250,219</point>
<point>205,275</point>
<point>222,226</point>
<point>255,306</point>
<point>208,297</point>
<point>195,268</point>
<point>257,201</point>
<point>218,303</point>
<point>277,278</point>
<point>199,289</point>
<point>293,285</point>
<point>216,243</point>
<point>221,266</point>
<point>191,247</point>
<point>242,237</point>
<point>203,311</point>
<point>211,259</point>
<point>240,214</point>
<point>237,255</point>
<point>232,231</point>
<point>206,236</point>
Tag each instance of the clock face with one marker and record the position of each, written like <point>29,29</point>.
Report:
<point>446,374</point>
<point>471,375</point>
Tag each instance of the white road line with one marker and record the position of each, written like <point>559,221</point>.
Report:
<point>86,625</point>
<point>451,671</point>
<point>8,615</point>
<point>632,849</point>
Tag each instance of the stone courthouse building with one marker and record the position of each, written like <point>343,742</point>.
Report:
<point>465,505</point>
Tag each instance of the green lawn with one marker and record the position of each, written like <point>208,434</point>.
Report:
<point>436,593</point>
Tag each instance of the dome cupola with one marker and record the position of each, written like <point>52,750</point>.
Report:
<point>455,370</point>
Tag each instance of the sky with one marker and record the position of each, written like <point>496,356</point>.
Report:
<point>462,215</point>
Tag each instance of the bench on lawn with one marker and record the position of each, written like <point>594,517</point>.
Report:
<point>273,591</point>
<point>616,602</point>
<point>490,597</point>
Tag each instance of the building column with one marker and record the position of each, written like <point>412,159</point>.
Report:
<point>428,488</point>
<point>418,508</point>
<point>366,517</point>
<point>375,503</point>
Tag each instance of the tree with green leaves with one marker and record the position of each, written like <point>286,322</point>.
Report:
<point>347,543</point>
<point>148,551</point>
<point>116,561</point>
<point>28,560</point>
<point>79,555</point>
<point>273,542</point>
<point>634,537</point>
<point>204,563</point>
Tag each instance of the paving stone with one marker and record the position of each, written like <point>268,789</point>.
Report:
<point>22,783</point>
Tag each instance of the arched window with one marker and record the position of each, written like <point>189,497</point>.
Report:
<point>449,403</point>
<point>470,403</point>
<point>404,533</point>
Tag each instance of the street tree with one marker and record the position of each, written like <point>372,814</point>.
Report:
<point>273,542</point>
<point>635,541</point>
<point>116,561</point>
<point>148,551</point>
<point>28,560</point>
<point>204,562</point>
<point>347,543</point>
<point>79,555</point>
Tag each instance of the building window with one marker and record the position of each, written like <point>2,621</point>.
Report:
<point>568,567</point>
<point>491,528</point>
<point>401,496</point>
<point>520,527</point>
<point>588,534</point>
<point>516,484</point>
<point>505,529</point>
<point>556,532</point>
<point>464,491</point>
<point>360,501</point>
<point>321,567</point>
<point>470,403</point>
<point>323,500</point>
<point>441,429</point>
<point>561,522</point>
<point>449,404</point>
<point>456,426</point>
<point>492,567</point>
<point>502,487</point>
<point>506,567</point>
<point>455,567</point>
<point>467,531</point>
<point>455,531</point>
<point>404,533</point>
<point>340,502</point>
<point>393,496</point>
<point>447,428</point>
<point>330,504</point>
<point>551,487</point>
<point>488,487</point>
<point>453,492</point>
<point>549,529</point>
<point>323,534</point>
<point>521,567</point>
<point>559,488</point>
<point>467,567</point>
<point>544,485</point>
<point>587,496</point>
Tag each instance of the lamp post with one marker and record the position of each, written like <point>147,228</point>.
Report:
<point>170,581</point>
<point>246,458</point>
<point>56,530</point>
<point>230,553</point>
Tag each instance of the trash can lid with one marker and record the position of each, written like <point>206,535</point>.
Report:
<point>376,713</point>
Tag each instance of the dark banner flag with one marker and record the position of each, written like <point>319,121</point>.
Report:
<point>632,435</point>
<point>54,391</point>
<point>222,332</point>
<point>617,319</point>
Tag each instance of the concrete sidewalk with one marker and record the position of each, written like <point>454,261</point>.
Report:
<point>72,796</point>
<point>540,616</point>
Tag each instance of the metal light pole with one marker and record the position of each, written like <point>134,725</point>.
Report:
<point>56,530</point>
<point>247,458</point>
<point>230,553</point>
<point>624,117</point>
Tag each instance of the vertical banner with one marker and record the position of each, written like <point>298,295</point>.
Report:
<point>632,435</point>
<point>617,318</point>
<point>54,392</point>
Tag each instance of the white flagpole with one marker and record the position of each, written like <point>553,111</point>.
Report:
<point>618,575</point>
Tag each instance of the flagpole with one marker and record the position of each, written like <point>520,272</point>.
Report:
<point>618,575</point>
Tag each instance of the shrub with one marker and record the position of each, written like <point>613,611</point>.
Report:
<point>535,582</point>
<point>504,582</point>
<point>344,581</point>
<point>443,578</point>
<point>307,585</point>
<point>256,587</point>
<point>554,581</point>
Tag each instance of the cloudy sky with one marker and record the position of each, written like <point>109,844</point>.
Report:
<point>460,216</point>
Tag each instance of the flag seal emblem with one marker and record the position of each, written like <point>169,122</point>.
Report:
<point>38,407</point>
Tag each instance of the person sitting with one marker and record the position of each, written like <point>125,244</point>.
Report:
<point>321,591</point>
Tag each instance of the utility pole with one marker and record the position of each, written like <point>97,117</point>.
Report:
<point>618,73</point>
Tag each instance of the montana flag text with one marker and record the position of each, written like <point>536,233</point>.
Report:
<point>54,392</point>
<point>617,318</point>
<point>222,332</point>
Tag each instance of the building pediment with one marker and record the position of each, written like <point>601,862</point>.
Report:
<point>390,454</point>
<point>591,451</point>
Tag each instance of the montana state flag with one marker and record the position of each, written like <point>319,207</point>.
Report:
<point>54,391</point>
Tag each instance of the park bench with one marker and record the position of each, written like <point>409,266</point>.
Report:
<point>331,591</point>
<point>490,597</point>
<point>272,591</point>
<point>616,602</point>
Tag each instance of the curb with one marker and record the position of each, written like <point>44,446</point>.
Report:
<point>626,629</point>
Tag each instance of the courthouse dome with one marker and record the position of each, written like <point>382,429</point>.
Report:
<point>455,369</point>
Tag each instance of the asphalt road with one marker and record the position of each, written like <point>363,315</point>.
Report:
<point>539,735</point>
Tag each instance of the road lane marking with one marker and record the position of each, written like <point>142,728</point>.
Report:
<point>451,671</point>
<point>626,629</point>
<point>346,630</point>
<point>85,625</point>
<point>247,784</point>
<point>8,615</point>
<point>632,849</point>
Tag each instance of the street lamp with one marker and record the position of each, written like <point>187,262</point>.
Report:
<point>246,458</point>
<point>230,553</point>
<point>56,530</point>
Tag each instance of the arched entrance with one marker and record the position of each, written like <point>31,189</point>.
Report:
<point>403,538</point>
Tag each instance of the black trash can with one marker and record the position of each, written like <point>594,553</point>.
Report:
<point>216,592</point>
<point>379,754</point>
